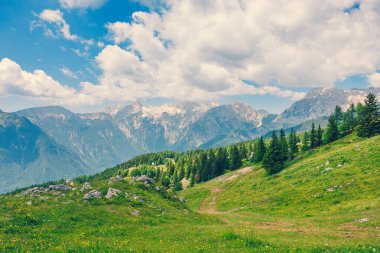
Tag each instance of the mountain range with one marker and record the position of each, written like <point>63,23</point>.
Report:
<point>46,143</point>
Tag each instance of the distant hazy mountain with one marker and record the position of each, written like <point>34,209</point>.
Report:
<point>94,138</point>
<point>28,156</point>
<point>104,139</point>
<point>321,102</point>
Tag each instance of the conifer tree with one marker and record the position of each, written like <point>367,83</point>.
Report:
<point>235,158</point>
<point>284,146</point>
<point>369,124</point>
<point>260,150</point>
<point>211,166</point>
<point>332,133</point>
<point>221,161</point>
<point>273,162</point>
<point>192,179</point>
<point>293,144</point>
<point>305,141</point>
<point>313,136</point>
<point>319,136</point>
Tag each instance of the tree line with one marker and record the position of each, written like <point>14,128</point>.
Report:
<point>172,169</point>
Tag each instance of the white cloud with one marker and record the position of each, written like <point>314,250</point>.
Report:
<point>67,72</point>
<point>82,4</point>
<point>37,85</point>
<point>55,17</point>
<point>374,80</point>
<point>203,49</point>
<point>59,27</point>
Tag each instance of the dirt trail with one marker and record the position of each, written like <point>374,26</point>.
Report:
<point>208,205</point>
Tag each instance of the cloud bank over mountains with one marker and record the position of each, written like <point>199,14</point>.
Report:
<point>197,50</point>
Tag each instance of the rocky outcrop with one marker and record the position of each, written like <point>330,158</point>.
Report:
<point>60,187</point>
<point>95,194</point>
<point>113,193</point>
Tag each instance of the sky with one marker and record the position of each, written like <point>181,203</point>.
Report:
<point>89,54</point>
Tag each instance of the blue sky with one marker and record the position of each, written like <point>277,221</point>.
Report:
<point>93,53</point>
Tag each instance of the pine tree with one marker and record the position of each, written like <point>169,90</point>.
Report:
<point>203,173</point>
<point>272,161</point>
<point>260,150</point>
<point>369,124</point>
<point>211,166</point>
<point>319,136</point>
<point>305,141</point>
<point>332,133</point>
<point>284,146</point>
<point>313,136</point>
<point>243,152</point>
<point>293,144</point>
<point>235,158</point>
<point>192,179</point>
<point>221,162</point>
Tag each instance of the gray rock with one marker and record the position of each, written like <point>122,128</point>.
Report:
<point>144,179</point>
<point>135,213</point>
<point>29,203</point>
<point>117,178</point>
<point>34,191</point>
<point>182,199</point>
<point>95,194</point>
<point>112,193</point>
<point>60,187</point>
<point>86,187</point>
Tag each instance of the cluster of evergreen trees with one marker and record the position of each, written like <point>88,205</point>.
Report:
<point>171,168</point>
<point>363,118</point>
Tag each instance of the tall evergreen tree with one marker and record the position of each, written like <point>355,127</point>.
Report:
<point>313,136</point>
<point>260,150</point>
<point>284,146</point>
<point>369,124</point>
<point>293,144</point>
<point>273,162</point>
<point>332,133</point>
<point>221,161</point>
<point>211,166</point>
<point>319,136</point>
<point>235,158</point>
<point>305,141</point>
<point>192,179</point>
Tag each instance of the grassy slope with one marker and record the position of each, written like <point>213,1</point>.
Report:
<point>295,204</point>
<point>242,212</point>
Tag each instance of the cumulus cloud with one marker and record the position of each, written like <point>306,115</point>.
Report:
<point>374,80</point>
<point>55,25</point>
<point>82,4</point>
<point>55,17</point>
<point>204,49</point>
<point>37,85</point>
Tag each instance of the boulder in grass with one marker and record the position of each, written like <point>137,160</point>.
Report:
<point>112,193</point>
<point>60,187</point>
<point>95,194</point>
<point>86,187</point>
<point>144,179</point>
<point>182,199</point>
<point>35,191</point>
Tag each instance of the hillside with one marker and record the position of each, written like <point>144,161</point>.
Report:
<point>327,200</point>
<point>330,197</point>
